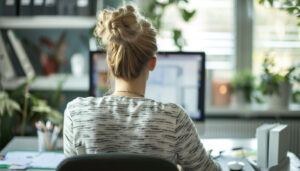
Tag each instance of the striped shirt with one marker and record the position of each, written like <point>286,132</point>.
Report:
<point>133,125</point>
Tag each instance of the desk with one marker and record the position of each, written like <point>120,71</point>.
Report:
<point>31,143</point>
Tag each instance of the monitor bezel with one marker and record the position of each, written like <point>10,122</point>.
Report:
<point>201,104</point>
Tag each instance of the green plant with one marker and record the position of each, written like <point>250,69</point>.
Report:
<point>290,6</point>
<point>8,107</point>
<point>244,81</point>
<point>25,108</point>
<point>296,96</point>
<point>154,10</point>
<point>271,80</point>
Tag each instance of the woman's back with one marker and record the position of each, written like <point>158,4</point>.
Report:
<point>126,122</point>
<point>133,125</point>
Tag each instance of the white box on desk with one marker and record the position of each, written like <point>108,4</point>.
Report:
<point>278,145</point>
<point>272,147</point>
<point>262,135</point>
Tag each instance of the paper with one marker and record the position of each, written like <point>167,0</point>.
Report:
<point>32,159</point>
<point>47,160</point>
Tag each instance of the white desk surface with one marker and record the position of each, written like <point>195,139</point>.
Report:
<point>31,143</point>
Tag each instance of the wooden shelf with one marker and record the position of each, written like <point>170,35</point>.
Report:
<point>50,83</point>
<point>47,22</point>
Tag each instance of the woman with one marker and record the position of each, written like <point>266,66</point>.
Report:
<point>125,121</point>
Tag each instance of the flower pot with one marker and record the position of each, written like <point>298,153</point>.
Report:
<point>281,99</point>
<point>51,66</point>
<point>241,101</point>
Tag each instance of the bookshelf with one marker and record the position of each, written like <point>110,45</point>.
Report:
<point>47,22</point>
<point>50,83</point>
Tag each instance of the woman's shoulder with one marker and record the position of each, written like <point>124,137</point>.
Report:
<point>173,108</point>
<point>82,101</point>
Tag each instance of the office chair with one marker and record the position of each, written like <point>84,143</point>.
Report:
<point>116,162</point>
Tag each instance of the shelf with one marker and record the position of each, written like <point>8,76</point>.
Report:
<point>47,22</point>
<point>254,111</point>
<point>72,83</point>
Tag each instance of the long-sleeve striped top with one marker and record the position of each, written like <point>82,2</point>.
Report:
<point>133,125</point>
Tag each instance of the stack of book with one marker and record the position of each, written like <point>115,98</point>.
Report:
<point>16,59</point>
<point>48,7</point>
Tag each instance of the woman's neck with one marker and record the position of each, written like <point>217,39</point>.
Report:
<point>132,88</point>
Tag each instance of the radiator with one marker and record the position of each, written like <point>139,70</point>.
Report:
<point>245,128</point>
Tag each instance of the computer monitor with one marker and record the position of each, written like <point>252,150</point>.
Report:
<point>179,77</point>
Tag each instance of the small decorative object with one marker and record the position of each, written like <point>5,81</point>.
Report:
<point>220,93</point>
<point>243,86</point>
<point>53,57</point>
<point>277,85</point>
<point>78,64</point>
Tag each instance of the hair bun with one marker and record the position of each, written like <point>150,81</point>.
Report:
<point>120,26</point>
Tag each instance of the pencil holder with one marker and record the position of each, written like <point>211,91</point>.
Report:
<point>47,136</point>
<point>44,143</point>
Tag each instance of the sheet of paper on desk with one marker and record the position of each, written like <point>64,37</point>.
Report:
<point>33,159</point>
<point>47,160</point>
<point>18,157</point>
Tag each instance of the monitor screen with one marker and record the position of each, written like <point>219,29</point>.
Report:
<point>177,78</point>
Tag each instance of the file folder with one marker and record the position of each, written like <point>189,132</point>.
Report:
<point>38,7</point>
<point>50,7</point>
<point>25,8</point>
<point>10,7</point>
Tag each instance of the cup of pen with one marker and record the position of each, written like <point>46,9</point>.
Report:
<point>47,135</point>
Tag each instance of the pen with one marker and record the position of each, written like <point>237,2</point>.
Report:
<point>55,134</point>
<point>45,135</point>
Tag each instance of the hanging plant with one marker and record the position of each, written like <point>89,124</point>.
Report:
<point>154,10</point>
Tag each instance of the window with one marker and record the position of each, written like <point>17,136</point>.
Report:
<point>276,34</point>
<point>210,30</point>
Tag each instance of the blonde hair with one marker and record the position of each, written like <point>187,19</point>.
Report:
<point>129,38</point>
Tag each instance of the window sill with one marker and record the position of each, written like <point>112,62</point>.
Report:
<point>259,111</point>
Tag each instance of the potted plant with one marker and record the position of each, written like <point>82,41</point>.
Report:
<point>20,109</point>
<point>243,87</point>
<point>277,86</point>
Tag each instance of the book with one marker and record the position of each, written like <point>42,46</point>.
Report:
<point>71,7</point>
<point>10,7</point>
<point>61,7</point>
<point>278,145</point>
<point>50,7</point>
<point>262,135</point>
<point>83,7</point>
<point>33,53</point>
<point>21,54</point>
<point>38,7</point>
<point>25,7</point>
<point>11,53</point>
<point>6,68</point>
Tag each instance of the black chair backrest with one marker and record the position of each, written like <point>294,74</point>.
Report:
<point>116,162</point>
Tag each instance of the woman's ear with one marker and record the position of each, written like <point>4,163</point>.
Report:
<point>152,63</point>
<point>107,61</point>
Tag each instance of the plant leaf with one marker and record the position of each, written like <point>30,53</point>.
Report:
<point>186,15</point>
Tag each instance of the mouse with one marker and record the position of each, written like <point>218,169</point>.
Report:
<point>235,165</point>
